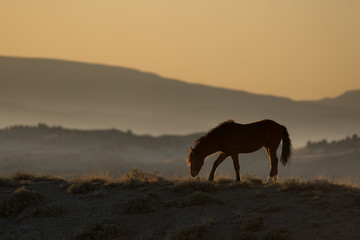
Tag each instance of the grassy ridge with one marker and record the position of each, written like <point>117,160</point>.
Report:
<point>110,208</point>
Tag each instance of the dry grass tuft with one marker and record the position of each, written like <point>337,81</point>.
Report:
<point>44,178</point>
<point>138,178</point>
<point>5,182</point>
<point>314,224</point>
<point>317,185</point>
<point>197,231</point>
<point>323,185</point>
<point>198,198</point>
<point>278,234</point>
<point>244,236</point>
<point>81,186</point>
<point>252,223</point>
<point>54,210</point>
<point>252,179</point>
<point>22,175</point>
<point>105,229</point>
<point>87,184</point>
<point>139,205</point>
<point>98,194</point>
<point>260,194</point>
<point>241,184</point>
<point>291,184</point>
<point>170,203</point>
<point>192,185</point>
<point>224,180</point>
<point>22,198</point>
<point>273,208</point>
<point>26,176</point>
<point>248,181</point>
<point>237,216</point>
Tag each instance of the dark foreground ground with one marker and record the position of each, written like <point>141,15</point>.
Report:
<point>144,205</point>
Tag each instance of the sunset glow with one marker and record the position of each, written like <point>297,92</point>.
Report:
<point>297,49</point>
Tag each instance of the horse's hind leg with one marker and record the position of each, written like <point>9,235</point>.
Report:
<point>273,164</point>
<point>236,166</point>
<point>217,162</point>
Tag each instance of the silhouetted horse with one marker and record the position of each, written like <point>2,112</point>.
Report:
<point>231,138</point>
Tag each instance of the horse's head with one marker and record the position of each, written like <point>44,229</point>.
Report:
<point>195,162</point>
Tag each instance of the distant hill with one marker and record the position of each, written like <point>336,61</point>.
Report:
<point>337,159</point>
<point>94,96</point>
<point>349,143</point>
<point>55,150</point>
<point>350,99</point>
<point>69,152</point>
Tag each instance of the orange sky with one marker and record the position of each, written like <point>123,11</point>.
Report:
<point>302,49</point>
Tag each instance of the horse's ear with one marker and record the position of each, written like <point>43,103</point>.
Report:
<point>191,149</point>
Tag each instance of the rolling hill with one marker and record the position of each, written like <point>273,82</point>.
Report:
<point>71,153</point>
<point>94,96</point>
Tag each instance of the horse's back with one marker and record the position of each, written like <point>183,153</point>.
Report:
<point>247,138</point>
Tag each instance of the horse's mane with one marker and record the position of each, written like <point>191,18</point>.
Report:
<point>214,131</point>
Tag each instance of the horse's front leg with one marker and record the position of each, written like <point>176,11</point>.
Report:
<point>236,166</point>
<point>217,162</point>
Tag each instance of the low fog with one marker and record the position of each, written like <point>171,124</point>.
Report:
<point>70,153</point>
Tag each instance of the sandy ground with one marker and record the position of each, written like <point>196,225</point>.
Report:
<point>134,208</point>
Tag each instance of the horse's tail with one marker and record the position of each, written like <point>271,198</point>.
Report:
<point>286,147</point>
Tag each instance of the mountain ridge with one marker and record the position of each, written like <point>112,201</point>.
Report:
<point>348,99</point>
<point>88,95</point>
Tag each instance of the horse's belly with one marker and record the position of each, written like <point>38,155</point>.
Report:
<point>250,150</point>
<point>246,144</point>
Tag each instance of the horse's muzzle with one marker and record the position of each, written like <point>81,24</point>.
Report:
<point>193,173</point>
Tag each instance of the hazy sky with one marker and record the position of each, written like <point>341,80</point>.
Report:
<point>302,49</point>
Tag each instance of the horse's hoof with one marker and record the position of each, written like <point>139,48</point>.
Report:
<point>272,180</point>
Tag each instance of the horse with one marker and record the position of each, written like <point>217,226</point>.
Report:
<point>231,138</point>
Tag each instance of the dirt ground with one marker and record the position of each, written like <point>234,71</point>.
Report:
<point>146,206</point>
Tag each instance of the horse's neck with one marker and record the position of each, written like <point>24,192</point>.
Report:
<point>207,148</point>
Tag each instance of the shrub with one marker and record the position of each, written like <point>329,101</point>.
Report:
<point>23,175</point>
<point>22,198</point>
<point>5,182</point>
<point>320,185</point>
<point>26,176</point>
<point>260,194</point>
<point>253,223</point>
<point>43,178</point>
<point>191,232</point>
<point>224,180</point>
<point>244,236</point>
<point>104,229</point>
<point>81,186</point>
<point>26,196</point>
<point>189,186</point>
<point>295,184</point>
<point>242,184</point>
<point>198,198</point>
<point>252,179</point>
<point>273,208</point>
<point>291,184</point>
<point>54,210</point>
<point>140,178</point>
<point>278,234</point>
<point>139,205</point>
<point>237,216</point>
